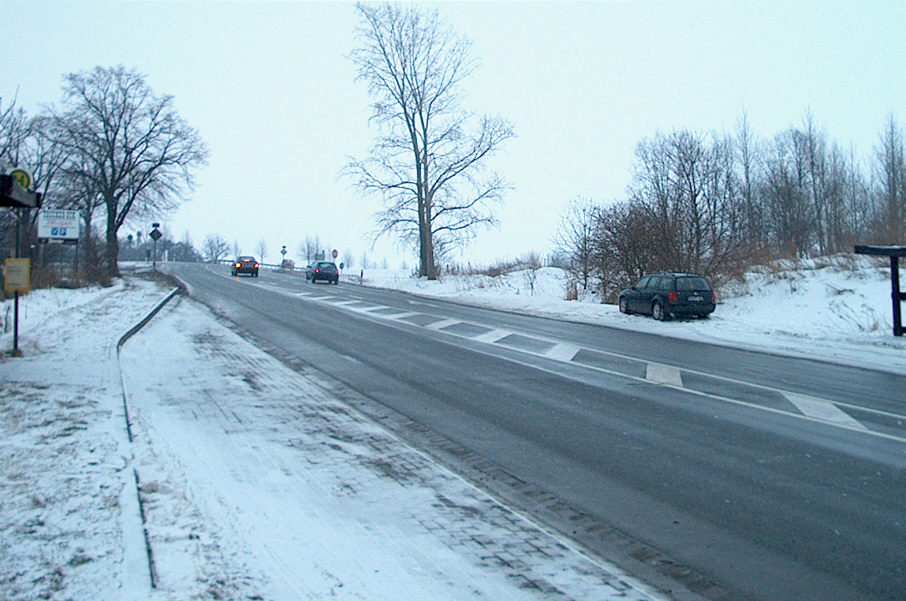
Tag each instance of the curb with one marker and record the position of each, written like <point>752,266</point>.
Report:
<point>134,557</point>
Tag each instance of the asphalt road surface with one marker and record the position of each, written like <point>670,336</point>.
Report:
<point>711,472</point>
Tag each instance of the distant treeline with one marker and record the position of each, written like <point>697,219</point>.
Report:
<point>715,204</point>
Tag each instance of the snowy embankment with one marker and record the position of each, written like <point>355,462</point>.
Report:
<point>835,309</point>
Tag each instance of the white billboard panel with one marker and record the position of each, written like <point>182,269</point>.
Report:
<point>57,224</point>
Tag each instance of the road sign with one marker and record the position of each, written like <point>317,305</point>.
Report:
<point>155,233</point>
<point>334,253</point>
<point>17,275</point>
<point>56,225</point>
<point>23,176</point>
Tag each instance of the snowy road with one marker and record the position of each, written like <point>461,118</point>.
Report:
<point>296,496</point>
<point>731,470</point>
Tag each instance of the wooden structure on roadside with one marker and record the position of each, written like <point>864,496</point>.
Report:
<point>897,296</point>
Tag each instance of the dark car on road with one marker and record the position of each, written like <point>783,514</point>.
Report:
<point>664,295</point>
<point>324,270</point>
<point>245,265</point>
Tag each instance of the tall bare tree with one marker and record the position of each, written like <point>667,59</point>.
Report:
<point>130,144</point>
<point>688,187</point>
<point>14,130</point>
<point>575,238</point>
<point>429,163</point>
<point>891,168</point>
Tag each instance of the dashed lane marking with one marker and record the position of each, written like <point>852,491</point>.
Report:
<point>823,410</point>
<point>664,374</point>
<point>492,336</point>
<point>444,323</point>
<point>563,351</point>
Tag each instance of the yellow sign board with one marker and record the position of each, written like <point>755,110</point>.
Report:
<point>17,275</point>
<point>23,176</point>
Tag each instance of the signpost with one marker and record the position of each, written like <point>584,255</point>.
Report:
<point>16,279</point>
<point>16,192</point>
<point>155,235</point>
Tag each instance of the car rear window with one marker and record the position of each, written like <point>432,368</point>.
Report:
<point>692,284</point>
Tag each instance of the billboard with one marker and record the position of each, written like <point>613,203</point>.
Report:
<point>58,225</point>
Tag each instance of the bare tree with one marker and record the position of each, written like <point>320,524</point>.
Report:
<point>348,259</point>
<point>14,130</point>
<point>624,245</point>
<point>262,250</point>
<point>215,248</point>
<point>891,175</point>
<point>575,238</point>
<point>311,249</point>
<point>429,164</point>
<point>746,159</point>
<point>688,187</point>
<point>531,264</point>
<point>786,195</point>
<point>130,144</point>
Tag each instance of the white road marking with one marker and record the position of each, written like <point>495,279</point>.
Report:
<point>664,374</point>
<point>444,323</point>
<point>492,336</point>
<point>375,308</point>
<point>401,315</point>
<point>822,410</point>
<point>563,352</point>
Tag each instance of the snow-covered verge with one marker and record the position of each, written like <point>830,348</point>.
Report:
<point>254,481</point>
<point>65,461</point>
<point>837,309</point>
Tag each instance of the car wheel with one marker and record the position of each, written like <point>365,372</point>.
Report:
<point>624,306</point>
<point>658,312</point>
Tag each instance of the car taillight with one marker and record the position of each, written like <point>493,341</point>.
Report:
<point>672,297</point>
<point>256,266</point>
<point>238,264</point>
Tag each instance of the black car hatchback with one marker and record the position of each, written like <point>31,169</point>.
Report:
<point>663,295</point>
<point>325,270</point>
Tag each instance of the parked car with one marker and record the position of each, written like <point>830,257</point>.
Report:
<point>309,269</point>
<point>247,265</point>
<point>663,295</point>
<point>325,270</point>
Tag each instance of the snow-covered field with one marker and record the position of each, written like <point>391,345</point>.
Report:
<point>255,483</point>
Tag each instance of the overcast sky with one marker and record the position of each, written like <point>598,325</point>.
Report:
<point>272,91</point>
